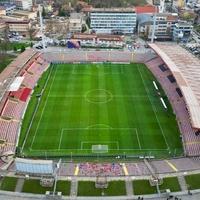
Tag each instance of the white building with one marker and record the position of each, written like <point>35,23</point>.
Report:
<point>164,26</point>
<point>23,4</point>
<point>75,22</point>
<point>7,9</point>
<point>26,14</point>
<point>182,30</point>
<point>99,40</point>
<point>22,27</point>
<point>113,20</point>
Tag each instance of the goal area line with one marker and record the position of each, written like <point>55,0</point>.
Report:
<point>100,143</point>
<point>65,149</point>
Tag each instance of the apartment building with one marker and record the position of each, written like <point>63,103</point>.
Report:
<point>112,21</point>
<point>164,26</point>
<point>182,31</point>
<point>75,22</point>
<point>22,27</point>
<point>23,4</point>
<point>6,8</point>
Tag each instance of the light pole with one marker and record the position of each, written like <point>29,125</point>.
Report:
<point>154,25</point>
<point>41,25</point>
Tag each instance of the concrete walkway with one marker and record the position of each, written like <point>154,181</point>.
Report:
<point>182,183</point>
<point>24,196</point>
<point>129,187</point>
<point>19,186</point>
<point>74,187</point>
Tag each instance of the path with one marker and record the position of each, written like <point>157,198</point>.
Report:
<point>19,186</point>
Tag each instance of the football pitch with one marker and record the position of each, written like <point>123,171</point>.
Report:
<point>104,109</point>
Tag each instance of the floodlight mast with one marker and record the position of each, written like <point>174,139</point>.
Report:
<point>41,25</point>
<point>154,26</point>
<point>56,176</point>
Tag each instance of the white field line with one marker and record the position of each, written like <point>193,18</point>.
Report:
<point>92,74</point>
<point>83,96</point>
<point>32,119</point>
<point>57,150</point>
<point>100,142</point>
<point>147,91</point>
<point>98,128</point>
<point>138,138</point>
<point>60,139</point>
<point>43,109</point>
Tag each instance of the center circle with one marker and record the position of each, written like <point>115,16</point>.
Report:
<point>98,96</point>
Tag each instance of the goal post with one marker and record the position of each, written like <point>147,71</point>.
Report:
<point>99,148</point>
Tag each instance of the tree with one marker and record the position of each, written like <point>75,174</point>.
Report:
<point>83,28</point>
<point>23,48</point>
<point>31,31</point>
<point>88,21</point>
<point>61,12</point>
<point>5,42</point>
<point>78,8</point>
<point>43,12</point>
<point>14,48</point>
<point>49,26</point>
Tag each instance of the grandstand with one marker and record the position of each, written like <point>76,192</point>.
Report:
<point>178,77</point>
<point>185,100</point>
<point>17,82</point>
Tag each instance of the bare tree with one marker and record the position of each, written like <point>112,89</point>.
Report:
<point>5,43</point>
<point>31,31</point>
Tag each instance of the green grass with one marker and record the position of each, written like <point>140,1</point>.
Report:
<point>108,104</point>
<point>8,183</point>
<point>5,60</point>
<point>64,187</point>
<point>115,188</point>
<point>144,187</point>
<point>11,45</point>
<point>193,181</point>
<point>33,186</point>
<point>170,183</point>
<point>1,141</point>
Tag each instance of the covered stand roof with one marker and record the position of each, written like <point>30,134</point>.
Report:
<point>34,166</point>
<point>16,83</point>
<point>186,69</point>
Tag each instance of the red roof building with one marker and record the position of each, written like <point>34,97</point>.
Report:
<point>146,9</point>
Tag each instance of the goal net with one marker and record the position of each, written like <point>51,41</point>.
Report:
<point>99,148</point>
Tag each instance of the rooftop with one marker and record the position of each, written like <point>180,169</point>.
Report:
<point>145,9</point>
<point>120,10</point>
<point>186,70</point>
<point>99,36</point>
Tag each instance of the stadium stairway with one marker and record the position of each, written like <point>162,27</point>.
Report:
<point>74,187</point>
<point>19,185</point>
<point>129,187</point>
<point>182,183</point>
<point>150,168</point>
